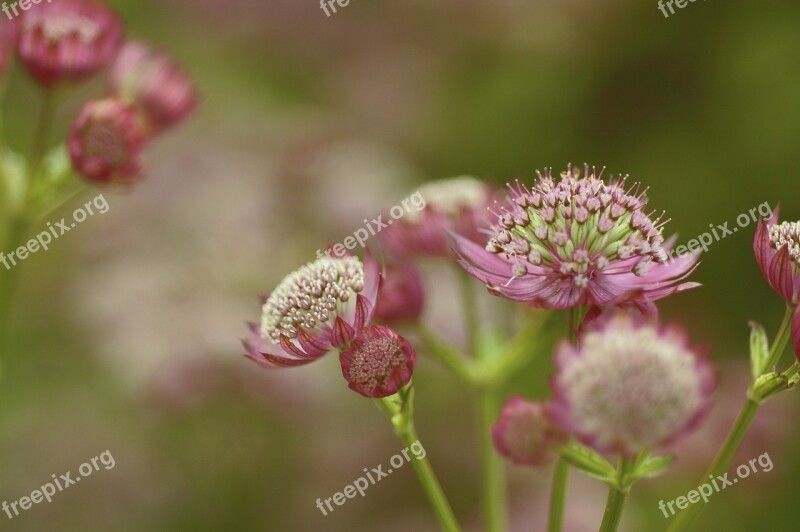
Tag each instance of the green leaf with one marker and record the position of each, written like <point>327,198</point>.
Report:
<point>652,467</point>
<point>759,350</point>
<point>589,462</point>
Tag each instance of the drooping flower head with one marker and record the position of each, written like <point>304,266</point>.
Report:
<point>525,434</point>
<point>378,362</point>
<point>317,308</point>
<point>454,204</point>
<point>576,241</point>
<point>630,385</point>
<point>106,142</point>
<point>154,82</point>
<point>402,297</point>
<point>68,39</point>
<point>777,250</point>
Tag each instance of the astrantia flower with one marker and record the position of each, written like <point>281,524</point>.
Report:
<point>68,39</point>
<point>402,295</point>
<point>152,80</point>
<point>630,386</point>
<point>378,362</point>
<point>525,434</point>
<point>455,204</point>
<point>318,307</point>
<point>106,141</point>
<point>578,241</point>
<point>777,250</point>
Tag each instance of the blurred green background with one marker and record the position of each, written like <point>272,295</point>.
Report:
<point>126,333</point>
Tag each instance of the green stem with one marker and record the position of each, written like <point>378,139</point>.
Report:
<point>616,499</point>
<point>494,488</point>
<point>470,313</point>
<point>445,354</point>
<point>399,409</point>
<point>558,490</point>
<point>41,135</point>
<point>739,429</point>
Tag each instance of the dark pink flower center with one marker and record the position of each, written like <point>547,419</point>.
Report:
<point>375,360</point>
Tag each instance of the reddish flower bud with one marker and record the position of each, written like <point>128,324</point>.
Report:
<point>106,142</point>
<point>152,80</point>
<point>525,435</point>
<point>378,362</point>
<point>68,39</point>
<point>402,296</point>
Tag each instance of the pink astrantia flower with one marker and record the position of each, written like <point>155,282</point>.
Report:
<point>777,250</point>
<point>154,82</point>
<point>317,308</point>
<point>402,297</point>
<point>525,434</point>
<point>106,142</point>
<point>630,386</point>
<point>454,204</point>
<point>68,39</point>
<point>578,241</point>
<point>378,362</point>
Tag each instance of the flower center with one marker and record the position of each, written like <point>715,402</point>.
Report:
<point>577,226</point>
<point>374,361</point>
<point>787,234</point>
<point>57,26</point>
<point>312,296</point>
<point>102,138</point>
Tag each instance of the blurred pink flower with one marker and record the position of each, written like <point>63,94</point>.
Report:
<point>577,242</point>
<point>525,434</point>
<point>455,204</point>
<point>151,79</point>
<point>68,39</point>
<point>402,295</point>
<point>630,386</point>
<point>106,141</point>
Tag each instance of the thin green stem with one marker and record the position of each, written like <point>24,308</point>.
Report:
<point>494,489</point>
<point>401,415</point>
<point>445,354</point>
<point>41,135</point>
<point>782,338</point>
<point>740,426</point>
<point>470,313</point>
<point>558,491</point>
<point>616,498</point>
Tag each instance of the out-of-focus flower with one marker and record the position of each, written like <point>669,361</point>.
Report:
<point>68,39</point>
<point>455,204</point>
<point>321,306</point>
<point>525,434</point>
<point>580,241</point>
<point>402,296</point>
<point>630,386</point>
<point>378,362</point>
<point>8,35</point>
<point>106,142</point>
<point>154,82</point>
